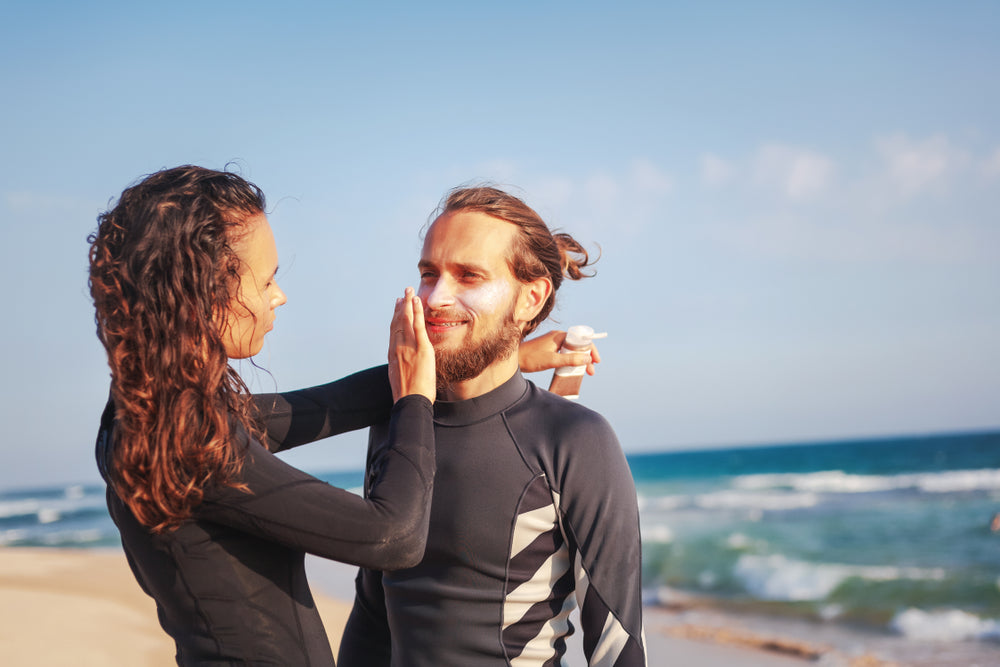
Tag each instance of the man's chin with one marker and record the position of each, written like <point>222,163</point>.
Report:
<point>445,347</point>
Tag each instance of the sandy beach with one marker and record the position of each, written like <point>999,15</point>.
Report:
<point>83,608</point>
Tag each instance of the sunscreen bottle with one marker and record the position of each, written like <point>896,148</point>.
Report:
<point>567,379</point>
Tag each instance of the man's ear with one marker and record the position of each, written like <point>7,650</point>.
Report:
<point>531,299</point>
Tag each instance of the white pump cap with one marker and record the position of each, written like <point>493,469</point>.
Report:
<point>581,336</point>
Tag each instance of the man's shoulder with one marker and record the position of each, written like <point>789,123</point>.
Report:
<point>558,415</point>
<point>569,441</point>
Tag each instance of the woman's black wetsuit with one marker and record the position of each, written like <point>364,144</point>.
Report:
<point>229,583</point>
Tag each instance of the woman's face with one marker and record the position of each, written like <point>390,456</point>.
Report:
<point>251,310</point>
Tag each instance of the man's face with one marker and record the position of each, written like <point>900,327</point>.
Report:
<point>469,293</point>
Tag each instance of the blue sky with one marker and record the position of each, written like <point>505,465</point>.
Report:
<point>797,203</point>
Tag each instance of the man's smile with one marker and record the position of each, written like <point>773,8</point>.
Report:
<point>442,323</point>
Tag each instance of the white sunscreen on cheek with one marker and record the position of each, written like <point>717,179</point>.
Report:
<point>567,379</point>
<point>485,298</point>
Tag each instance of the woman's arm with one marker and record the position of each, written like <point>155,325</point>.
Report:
<point>295,418</point>
<point>542,353</point>
<point>387,530</point>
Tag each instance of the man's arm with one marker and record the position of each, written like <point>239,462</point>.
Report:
<point>600,516</point>
<point>366,641</point>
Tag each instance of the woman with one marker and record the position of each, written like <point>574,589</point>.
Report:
<point>214,526</point>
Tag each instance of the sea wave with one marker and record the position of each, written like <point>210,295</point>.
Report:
<point>777,577</point>
<point>50,506</point>
<point>949,625</point>
<point>662,503</point>
<point>730,499</point>
<point>657,534</point>
<point>838,481</point>
<point>741,500</point>
<point>17,508</point>
<point>71,516</point>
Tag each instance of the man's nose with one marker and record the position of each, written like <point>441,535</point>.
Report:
<point>439,294</point>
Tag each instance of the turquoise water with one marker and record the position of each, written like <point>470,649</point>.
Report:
<point>890,534</point>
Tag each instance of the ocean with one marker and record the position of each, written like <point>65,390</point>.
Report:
<point>890,535</point>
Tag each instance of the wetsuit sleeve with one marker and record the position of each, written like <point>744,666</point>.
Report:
<point>366,641</point>
<point>294,418</point>
<point>600,517</point>
<point>386,530</point>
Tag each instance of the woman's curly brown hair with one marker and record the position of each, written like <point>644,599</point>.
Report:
<point>162,274</point>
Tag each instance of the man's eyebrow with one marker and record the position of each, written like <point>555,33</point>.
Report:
<point>455,266</point>
<point>472,268</point>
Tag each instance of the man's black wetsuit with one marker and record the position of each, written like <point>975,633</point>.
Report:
<point>533,502</point>
<point>229,583</point>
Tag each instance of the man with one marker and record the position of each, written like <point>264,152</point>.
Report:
<point>533,501</point>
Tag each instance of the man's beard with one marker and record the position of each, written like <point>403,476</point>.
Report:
<point>473,358</point>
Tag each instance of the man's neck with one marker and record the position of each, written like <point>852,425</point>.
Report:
<point>495,375</point>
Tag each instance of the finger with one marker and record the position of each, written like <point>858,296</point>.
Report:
<point>408,313</point>
<point>557,337</point>
<point>595,354</point>
<point>595,358</point>
<point>397,315</point>
<point>419,325</point>
<point>397,325</point>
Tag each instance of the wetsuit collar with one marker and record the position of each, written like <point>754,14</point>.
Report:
<point>469,411</point>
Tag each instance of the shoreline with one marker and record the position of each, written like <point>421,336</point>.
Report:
<point>83,607</point>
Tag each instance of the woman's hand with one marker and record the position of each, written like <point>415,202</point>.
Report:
<point>411,355</point>
<point>542,353</point>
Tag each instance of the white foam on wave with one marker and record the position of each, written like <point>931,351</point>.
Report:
<point>72,537</point>
<point>742,542</point>
<point>960,480</point>
<point>8,537</point>
<point>777,577</point>
<point>662,503</point>
<point>658,534</point>
<point>69,502</point>
<point>950,625</point>
<point>838,481</point>
<point>761,500</point>
<point>738,541</point>
<point>14,508</point>
<point>48,515</point>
